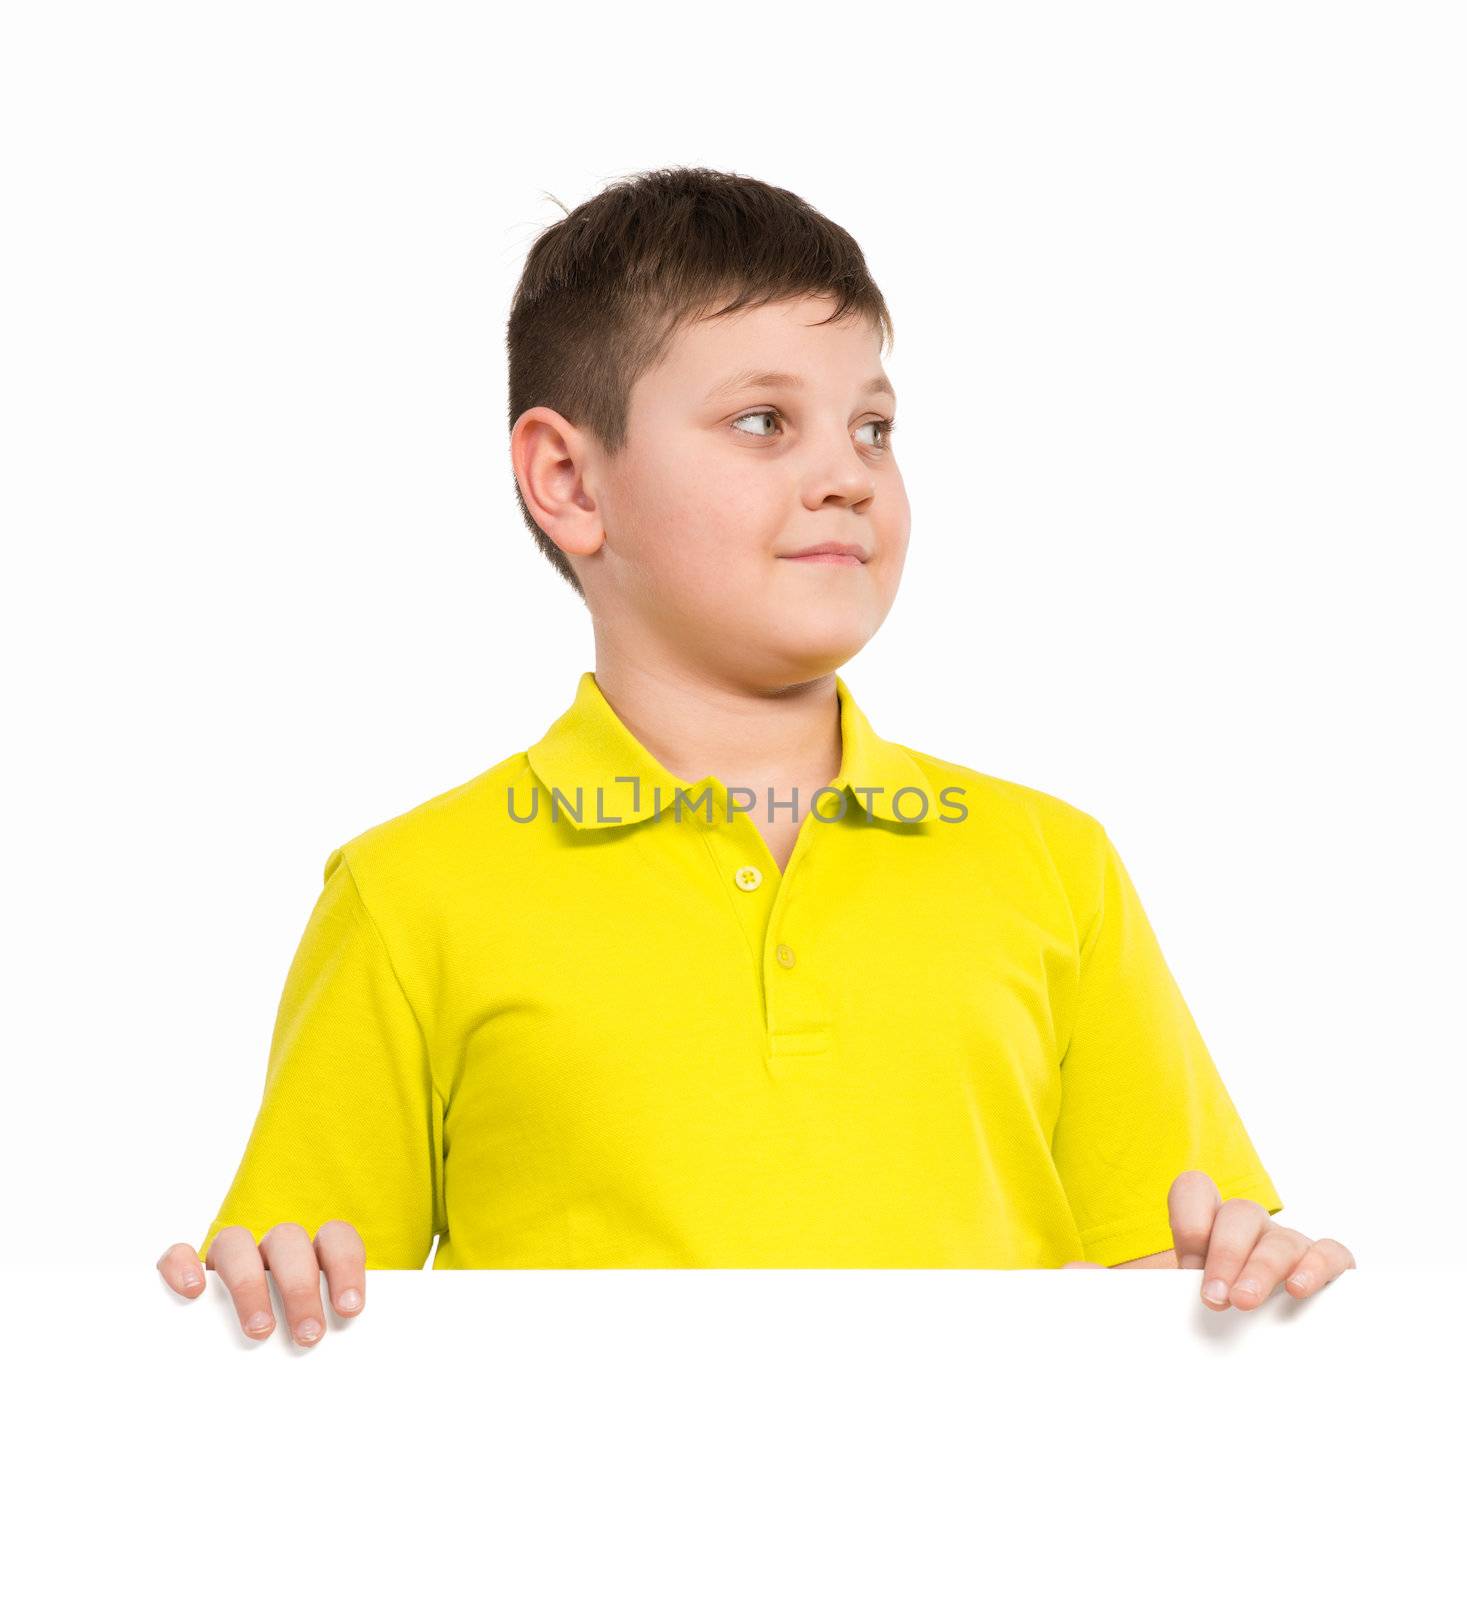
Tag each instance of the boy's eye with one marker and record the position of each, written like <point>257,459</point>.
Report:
<point>756,416</point>
<point>885,424</point>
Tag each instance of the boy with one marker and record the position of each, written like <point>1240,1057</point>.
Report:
<point>712,975</point>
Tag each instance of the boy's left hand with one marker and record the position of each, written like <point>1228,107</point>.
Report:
<point>1243,1252</point>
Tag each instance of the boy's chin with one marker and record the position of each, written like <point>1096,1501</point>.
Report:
<point>802,653</point>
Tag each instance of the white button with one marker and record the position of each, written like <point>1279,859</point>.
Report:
<point>748,877</point>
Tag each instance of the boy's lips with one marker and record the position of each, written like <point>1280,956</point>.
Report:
<point>832,553</point>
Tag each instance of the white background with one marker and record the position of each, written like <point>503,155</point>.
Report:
<point>1180,350</point>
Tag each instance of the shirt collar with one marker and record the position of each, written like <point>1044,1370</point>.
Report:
<point>588,747</point>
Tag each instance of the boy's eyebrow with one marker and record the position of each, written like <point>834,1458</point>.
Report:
<point>753,379</point>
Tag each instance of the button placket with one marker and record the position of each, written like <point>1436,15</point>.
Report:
<point>789,996</point>
<point>795,1008</point>
<point>733,845</point>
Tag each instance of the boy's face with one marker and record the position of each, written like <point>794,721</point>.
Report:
<point>722,482</point>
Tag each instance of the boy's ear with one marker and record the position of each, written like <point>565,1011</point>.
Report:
<point>549,457</point>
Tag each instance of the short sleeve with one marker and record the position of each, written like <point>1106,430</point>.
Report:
<point>1140,1097</point>
<point>349,1125</point>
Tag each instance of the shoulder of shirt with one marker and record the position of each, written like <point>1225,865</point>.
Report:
<point>1058,837</point>
<point>416,845</point>
<point>1004,800</point>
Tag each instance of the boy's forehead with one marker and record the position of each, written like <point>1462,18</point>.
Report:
<point>763,378</point>
<point>783,346</point>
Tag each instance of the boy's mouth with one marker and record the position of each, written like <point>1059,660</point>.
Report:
<point>831,553</point>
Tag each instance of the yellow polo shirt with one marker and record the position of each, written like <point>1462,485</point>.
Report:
<point>944,1036</point>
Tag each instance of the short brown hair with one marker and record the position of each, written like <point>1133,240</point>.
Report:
<point>605,288</point>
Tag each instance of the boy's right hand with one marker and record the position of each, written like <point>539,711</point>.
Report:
<point>294,1261</point>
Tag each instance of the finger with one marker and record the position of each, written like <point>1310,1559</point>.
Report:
<point>1278,1251</point>
<point>1235,1233</point>
<point>1094,1264</point>
<point>1191,1204</point>
<point>1320,1264</point>
<point>236,1259</point>
<point>182,1270</point>
<point>291,1258</point>
<point>343,1256</point>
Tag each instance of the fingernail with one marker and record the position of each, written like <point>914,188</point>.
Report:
<point>1247,1286</point>
<point>259,1322</point>
<point>1301,1280</point>
<point>349,1300</point>
<point>189,1280</point>
<point>309,1330</point>
<point>1216,1291</point>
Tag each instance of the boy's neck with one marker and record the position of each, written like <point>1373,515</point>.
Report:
<point>698,725</point>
